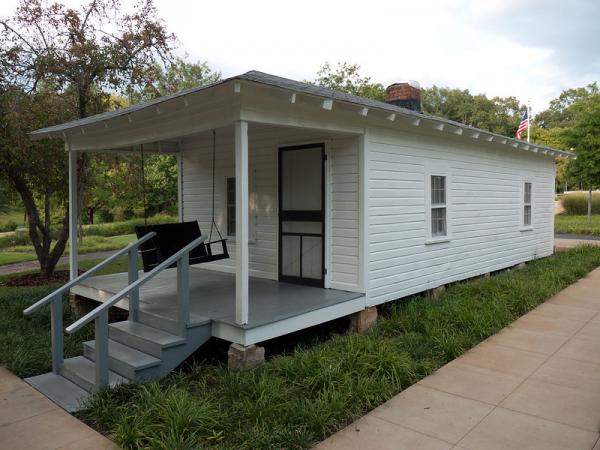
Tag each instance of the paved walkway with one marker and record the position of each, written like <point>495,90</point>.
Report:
<point>29,421</point>
<point>564,243</point>
<point>35,265</point>
<point>534,385</point>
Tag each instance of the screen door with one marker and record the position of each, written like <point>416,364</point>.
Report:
<point>302,214</point>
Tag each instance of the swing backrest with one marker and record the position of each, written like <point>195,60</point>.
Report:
<point>169,239</point>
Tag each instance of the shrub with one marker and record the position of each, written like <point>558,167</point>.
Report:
<point>576,204</point>
<point>11,225</point>
<point>123,227</point>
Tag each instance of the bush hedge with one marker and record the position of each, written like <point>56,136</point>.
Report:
<point>124,227</point>
<point>576,204</point>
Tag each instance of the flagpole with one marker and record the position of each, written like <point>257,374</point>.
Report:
<point>528,119</point>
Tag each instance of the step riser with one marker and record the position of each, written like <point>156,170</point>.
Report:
<point>123,367</point>
<point>170,326</point>
<point>136,342</point>
<point>78,380</point>
<point>113,364</point>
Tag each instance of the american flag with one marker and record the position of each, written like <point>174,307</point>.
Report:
<point>523,125</point>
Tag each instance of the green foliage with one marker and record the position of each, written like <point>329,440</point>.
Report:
<point>576,203</point>
<point>124,227</point>
<point>346,78</point>
<point>564,224</point>
<point>499,114</point>
<point>584,136</point>
<point>25,342</point>
<point>177,76</point>
<point>297,399</point>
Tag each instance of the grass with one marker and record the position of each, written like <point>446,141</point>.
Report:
<point>297,399</point>
<point>576,203</point>
<point>565,224</point>
<point>89,244</point>
<point>11,219</point>
<point>25,341</point>
<point>124,227</point>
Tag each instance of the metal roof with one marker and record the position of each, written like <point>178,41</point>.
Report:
<point>293,86</point>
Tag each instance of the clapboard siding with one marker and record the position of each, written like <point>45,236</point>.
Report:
<point>263,162</point>
<point>344,194</point>
<point>485,210</point>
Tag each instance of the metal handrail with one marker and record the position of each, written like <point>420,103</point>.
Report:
<point>37,305</point>
<point>75,326</point>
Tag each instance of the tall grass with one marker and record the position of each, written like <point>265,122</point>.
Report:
<point>25,343</point>
<point>576,203</point>
<point>297,399</point>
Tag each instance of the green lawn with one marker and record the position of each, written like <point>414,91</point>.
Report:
<point>297,399</point>
<point>90,244</point>
<point>564,224</point>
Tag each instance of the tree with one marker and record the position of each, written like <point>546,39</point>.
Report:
<point>82,54</point>
<point>35,169</point>
<point>347,78</point>
<point>585,137</point>
<point>176,77</point>
<point>499,115</point>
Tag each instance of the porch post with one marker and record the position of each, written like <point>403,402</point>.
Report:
<point>241,222</point>
<point>73,212</point>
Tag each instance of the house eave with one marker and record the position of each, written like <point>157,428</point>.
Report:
<point>366,109</point>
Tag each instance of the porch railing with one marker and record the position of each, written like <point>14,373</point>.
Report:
<point>55,298</point>
<point>100,314</point>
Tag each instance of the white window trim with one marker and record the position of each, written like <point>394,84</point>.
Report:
<point>522,226</point>
<point>252,213</point>
<point>429,238</point>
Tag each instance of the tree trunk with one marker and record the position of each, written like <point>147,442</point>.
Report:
<point>40,232</point>
<point>590,205</point>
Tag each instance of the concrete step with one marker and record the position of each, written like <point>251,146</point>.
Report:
<point>124,360</point>
<point>143,337</point>
<point>82,371</point>
<point>61,391</point>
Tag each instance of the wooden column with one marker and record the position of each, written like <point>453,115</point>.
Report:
<point>73,212</point>
<point>241,222</point>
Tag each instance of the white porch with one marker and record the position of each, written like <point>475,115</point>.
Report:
<point>276,308</point>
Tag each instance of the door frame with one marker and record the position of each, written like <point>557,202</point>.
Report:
<point>300,217</point>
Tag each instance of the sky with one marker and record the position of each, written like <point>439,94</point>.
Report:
<point>531,49</point>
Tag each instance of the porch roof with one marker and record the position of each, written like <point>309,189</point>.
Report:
<point>392,111</point>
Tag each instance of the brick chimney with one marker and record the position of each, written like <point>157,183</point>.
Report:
<point>406,95</point>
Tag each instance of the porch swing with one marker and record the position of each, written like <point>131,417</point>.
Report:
<point>172,237</point>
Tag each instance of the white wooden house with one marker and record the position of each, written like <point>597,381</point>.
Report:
<point>332,204</point>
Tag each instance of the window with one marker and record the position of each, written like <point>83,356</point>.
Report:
<point>231,206</point>
<point>527,204</point>
<point>438,206</point>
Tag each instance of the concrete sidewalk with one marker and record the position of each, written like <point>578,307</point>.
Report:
<point>534,385</point>
<point>563,243</point>
<point>30,421</point>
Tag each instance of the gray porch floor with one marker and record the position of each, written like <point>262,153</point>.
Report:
<point>212,296</point>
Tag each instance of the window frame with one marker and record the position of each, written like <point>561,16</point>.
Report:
<point>228,205</point>
<point>430,238</point>
<point>523,204</point>
<point>222,217</point>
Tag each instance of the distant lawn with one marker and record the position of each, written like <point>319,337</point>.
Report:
<point>297,399</point>
<point>564,224</point>
<point>90,244</point>
<point>11,219</point>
